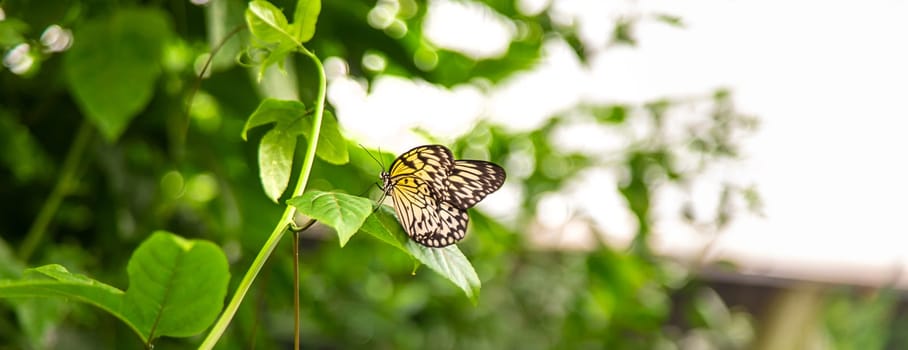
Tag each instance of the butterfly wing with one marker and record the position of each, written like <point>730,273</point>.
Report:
<point>426,220</point>
<point>431,163</point>
<point>431,192</point>
<point>471,181</point>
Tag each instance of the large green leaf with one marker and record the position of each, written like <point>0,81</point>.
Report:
<point>268,23</point>
<point>114,64</point>
<point>305,17</point>
<point>277,146</point>
<point>291,117</point>
<point>332,147</point>
<point>38,318</point>
<point>448,261</point>
<point>11,31</point>
<point>54,280</point>
<point>276,161</point>
<point>382,224</point>
<point>343,212</point>
<point>286,113</point>
<point>177,287</point>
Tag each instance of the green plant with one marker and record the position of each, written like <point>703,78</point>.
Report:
<point>175,287</point>
<point>102,158</point>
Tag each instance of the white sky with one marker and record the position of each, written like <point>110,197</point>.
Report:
<point>829,81</point>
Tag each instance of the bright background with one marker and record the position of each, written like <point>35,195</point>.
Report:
<point>827,80</point>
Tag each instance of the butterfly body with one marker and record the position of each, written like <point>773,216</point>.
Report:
<point>432,192</point>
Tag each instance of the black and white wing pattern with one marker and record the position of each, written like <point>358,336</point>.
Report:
<point>432,192</point>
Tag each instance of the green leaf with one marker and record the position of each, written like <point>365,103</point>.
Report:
<point>276,161</point>
<point>332,147</point>
<point>60,282</point>
<point>20,152</point>
<point>448,261</point>
<point>286,113</point>
<point>615,114</point>
<point>277,55</point>
<point>176,286</point>
<point>268,23</point>
<point>11,30</point>
<point>672,20</point>
<point>37,318</point>
<point>305,17</point>
<point>56,281</point>
<point>344,212</point>
<point>277,146</point>
<point>114,64</point>
<point>384,226</point>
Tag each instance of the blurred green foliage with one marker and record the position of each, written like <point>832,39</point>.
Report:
<point>98,149</point>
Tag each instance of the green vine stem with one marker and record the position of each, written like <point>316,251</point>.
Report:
<point>221,325</point>
<point>296,290</point>
<point>63,187</point>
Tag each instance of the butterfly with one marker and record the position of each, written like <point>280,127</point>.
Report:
<point>432,192</point>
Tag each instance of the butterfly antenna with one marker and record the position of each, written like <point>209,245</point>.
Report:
<point>382,165</point>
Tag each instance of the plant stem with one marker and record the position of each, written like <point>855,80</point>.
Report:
<point>296,290</point>
<point>316,123</point>
<point>184,123</point>
<point>221,325</point>
<point>64,184</point>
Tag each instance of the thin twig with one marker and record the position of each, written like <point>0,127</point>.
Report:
<point>63,187</point>
<point>198,81</point>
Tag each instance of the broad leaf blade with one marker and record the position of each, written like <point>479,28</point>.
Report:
<point>276,162</point>
<point>448,261</point>
<point>176,286</point>
<point>384,226</point>
<point>268,23</point>
<point>343,212</point>
<point>451,263</point>
<point>332,147</point>
<point>114,64</point>
<point>54,280</point>
<point>305,17</point>
<point>270,110</point>
<point>53,284</point>
<point>12,30</point>
<point>278,145</point>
